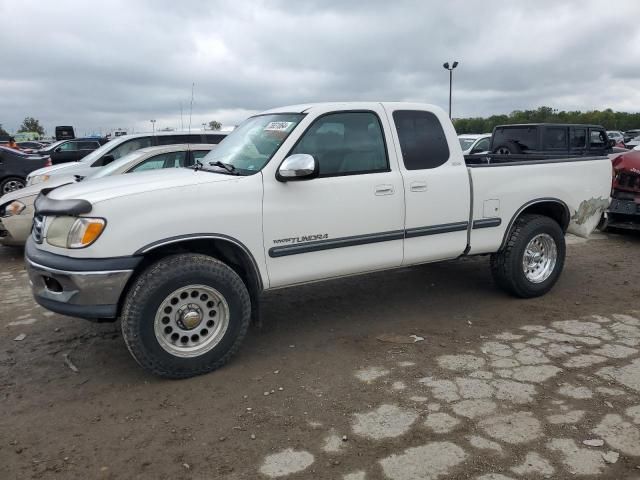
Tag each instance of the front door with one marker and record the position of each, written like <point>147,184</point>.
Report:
<point>350,218</point>
<point>437,194</point>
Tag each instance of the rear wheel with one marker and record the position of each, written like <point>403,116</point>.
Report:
<point>185,315</point>
<point>531,262</point>
<point>11,184</point>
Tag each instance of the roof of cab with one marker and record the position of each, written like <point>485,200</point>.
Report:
<point>305,107</point>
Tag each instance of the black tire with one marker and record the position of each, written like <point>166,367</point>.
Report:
<point>506,265</point>
<point>11,184</point>
<point>154,285</point>
<point>508,148</point>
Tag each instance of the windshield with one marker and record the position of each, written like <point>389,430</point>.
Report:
<point>116,165</point>
<point>96,154</point>
<point>466,143</point>
<point>250,146</point>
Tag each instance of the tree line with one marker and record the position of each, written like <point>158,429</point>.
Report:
<point>607,118</point>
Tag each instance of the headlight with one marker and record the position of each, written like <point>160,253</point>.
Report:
<point>34,180</point>
<point>71,232</point>
<point>14,208</point>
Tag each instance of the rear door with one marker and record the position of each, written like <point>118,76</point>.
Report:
<point>577,140</point>
<point>436,184</point>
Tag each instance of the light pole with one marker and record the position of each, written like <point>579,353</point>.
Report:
<point>153,124</point>
<point>204,127</point>
<point>450,68</point>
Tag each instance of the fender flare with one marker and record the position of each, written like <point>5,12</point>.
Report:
<point>566,215</point>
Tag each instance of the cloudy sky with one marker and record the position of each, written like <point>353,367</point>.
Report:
<point>123,63</point>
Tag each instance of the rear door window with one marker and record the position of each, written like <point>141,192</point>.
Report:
<point>179,139</point>
<point>578,138</point>
<point>422,139</point>
<point>525,137</point>
<point>555,138</point>
<point>213,138</point>
<point>88,145</point>
<point>130,146</point>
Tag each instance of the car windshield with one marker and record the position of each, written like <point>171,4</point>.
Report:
<point>466,143</point>
<point>53,145</point>
<point>250,146</point>
<point>116,165</point>
<point>96,154</point>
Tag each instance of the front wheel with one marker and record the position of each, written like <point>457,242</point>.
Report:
<point>185,315</point>
<point>531,262</point>
<point>11,184</point>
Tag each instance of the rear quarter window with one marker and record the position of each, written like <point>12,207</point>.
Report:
<point>422,139</point>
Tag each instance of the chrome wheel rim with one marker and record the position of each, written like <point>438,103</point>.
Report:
<point>540,257</point>
<point>12,186</point>
<point>191,321</point>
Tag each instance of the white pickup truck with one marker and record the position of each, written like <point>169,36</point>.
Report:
<point>294,195</point>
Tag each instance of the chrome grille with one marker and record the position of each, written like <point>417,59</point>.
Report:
<point>38,228</point>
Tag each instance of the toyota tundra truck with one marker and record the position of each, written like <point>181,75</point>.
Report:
<point>296,195</point>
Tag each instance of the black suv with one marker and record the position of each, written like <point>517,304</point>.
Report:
<point>550,139</point>
<point>72,150</point>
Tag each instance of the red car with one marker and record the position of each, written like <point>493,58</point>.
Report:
<point>624,211</point>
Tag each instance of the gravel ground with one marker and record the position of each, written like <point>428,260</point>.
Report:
<point>421,373</point>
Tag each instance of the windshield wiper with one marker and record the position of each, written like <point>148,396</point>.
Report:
<point>227,166</point>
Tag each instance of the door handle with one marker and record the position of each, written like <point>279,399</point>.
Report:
<point>384,190</point>
<point>418,187</point>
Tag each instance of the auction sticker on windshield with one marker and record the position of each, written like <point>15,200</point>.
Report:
<point>278,126</point>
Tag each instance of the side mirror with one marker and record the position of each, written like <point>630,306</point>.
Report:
<point>58,149</point>
<point>107,159</point>
<point>300,166</point>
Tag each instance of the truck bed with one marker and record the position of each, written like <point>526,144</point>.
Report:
<point>499,194</point>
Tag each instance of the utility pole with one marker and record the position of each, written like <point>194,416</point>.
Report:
<point>450,68</point>
<point>153,124</point>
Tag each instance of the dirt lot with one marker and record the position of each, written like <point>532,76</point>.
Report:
<point>493,388</point>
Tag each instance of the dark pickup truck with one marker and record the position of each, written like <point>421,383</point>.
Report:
<point>550,139</point>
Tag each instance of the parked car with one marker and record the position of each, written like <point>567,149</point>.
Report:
<point>16,208</point>
<point>296,195</point>
<point>624,211</point>
<point>630,135</point>
<point>617,137</point>
<point>633,143</point>
<point>119,147</point>
<point>474,144</point>
<point>15,166</point>
<point>72,150</point>
<point>550,139</point>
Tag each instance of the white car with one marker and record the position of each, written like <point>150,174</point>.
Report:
<point>634,143</point>
<point>295,195</point>
<point>472,144</point>
<point>16,208</point>
<point>616,136</point>
<point>119,147</point>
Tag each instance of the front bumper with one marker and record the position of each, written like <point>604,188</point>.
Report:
<point>85,288</point>
<point>15,230</point>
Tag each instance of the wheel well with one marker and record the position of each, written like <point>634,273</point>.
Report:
<point>224,250</point>
<point>554,209</point>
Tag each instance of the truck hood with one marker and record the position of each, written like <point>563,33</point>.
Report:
<point>135,183</point>
<point>32,190</point>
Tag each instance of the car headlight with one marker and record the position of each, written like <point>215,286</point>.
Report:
<point>14,208</point>
<point>35,179</point>
<point>71,232</point>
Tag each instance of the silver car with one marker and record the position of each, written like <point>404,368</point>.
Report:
<point>16,208</point>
